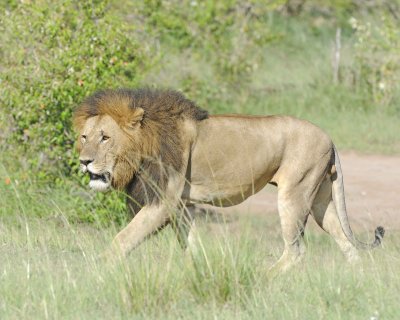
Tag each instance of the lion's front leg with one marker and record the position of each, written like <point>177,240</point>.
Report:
<point>148,220</point>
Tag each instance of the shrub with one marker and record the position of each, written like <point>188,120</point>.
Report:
<point>377,58</point>
<point>54,54</point>
<point>222,37</point>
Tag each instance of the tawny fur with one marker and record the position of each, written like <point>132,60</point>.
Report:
<point>169,155</point>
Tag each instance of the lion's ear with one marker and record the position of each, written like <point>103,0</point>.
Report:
<point>135,117</point>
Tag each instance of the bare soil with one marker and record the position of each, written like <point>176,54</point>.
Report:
<point>372,187</point>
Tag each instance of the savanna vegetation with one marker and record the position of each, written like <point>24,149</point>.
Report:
<point>335,63</point>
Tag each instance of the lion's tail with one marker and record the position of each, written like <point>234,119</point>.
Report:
<point>340,204</point>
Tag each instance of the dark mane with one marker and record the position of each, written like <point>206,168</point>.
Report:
<point>156,103</point>
<point>161,144</point>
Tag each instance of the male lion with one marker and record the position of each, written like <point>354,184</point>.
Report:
<point>168,155</point>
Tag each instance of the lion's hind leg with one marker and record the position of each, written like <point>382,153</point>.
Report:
<point>324,213</point>
<point>293,211</point>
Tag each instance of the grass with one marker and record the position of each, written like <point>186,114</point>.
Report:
<point>49,269</point>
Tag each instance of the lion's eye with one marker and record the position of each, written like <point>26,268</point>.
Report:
<point>83,138</point>
<point>104,138</point>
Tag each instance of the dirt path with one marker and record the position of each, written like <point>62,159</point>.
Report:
<point>372,186</point>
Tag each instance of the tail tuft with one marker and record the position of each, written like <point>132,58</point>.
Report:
<point>379,233</point>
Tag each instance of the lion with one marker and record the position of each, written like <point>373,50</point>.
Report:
<point>169,155</point>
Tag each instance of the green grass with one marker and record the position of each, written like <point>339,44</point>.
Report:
<point>50,269</point>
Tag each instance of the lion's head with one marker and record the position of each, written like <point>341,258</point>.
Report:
<point>127,138</point>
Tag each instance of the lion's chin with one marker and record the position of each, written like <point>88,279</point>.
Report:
<point>99,185</point>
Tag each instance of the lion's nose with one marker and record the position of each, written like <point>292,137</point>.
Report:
<point>85,162</point>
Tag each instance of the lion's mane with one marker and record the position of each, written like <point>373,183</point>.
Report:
<point>159,144</point>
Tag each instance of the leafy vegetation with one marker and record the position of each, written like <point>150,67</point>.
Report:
<point>54,54</point>
<point>377,48</point>
<point>229,56</point>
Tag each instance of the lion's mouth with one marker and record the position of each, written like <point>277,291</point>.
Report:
<point>104,177</point>
<point>100,182</point>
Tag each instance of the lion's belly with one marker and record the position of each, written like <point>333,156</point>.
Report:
<point>221,195</point>
<point>223,179</point>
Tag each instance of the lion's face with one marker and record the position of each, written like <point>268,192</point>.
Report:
<point>123,130</point>
<point>103,146</point>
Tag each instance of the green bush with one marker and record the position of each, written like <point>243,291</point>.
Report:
<point>223,37</point>
<point>54,53</point>
<point>377,58</point>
